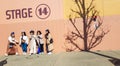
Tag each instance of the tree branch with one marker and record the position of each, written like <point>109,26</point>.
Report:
<point>72,42</point>
<point>75,27</point>
<point>77,35</point>
<point>98,39</point>
<point>90,6</point>
<point>79,7</point>
<point>77,12</point>
<point>94,33</point>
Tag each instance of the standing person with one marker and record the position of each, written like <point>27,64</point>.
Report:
<point>40,42</point>
<point>95,19</point>
<point>32,43</point>
<point>49,42</point>
<point>12,44</point>
<point>24,42</point>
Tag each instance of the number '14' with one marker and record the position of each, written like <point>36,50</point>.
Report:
<point>43,11</point>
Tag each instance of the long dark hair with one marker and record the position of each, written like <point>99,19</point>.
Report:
<point>47,30</point>
<point>46,35</point>
<point>24,33</point>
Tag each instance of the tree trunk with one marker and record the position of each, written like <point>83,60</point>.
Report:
<point>84,27</point>
<point>85,37</point>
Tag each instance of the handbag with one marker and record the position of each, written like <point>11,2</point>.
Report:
<point>51,40</point>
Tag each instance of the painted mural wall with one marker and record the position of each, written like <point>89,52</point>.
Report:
<point>36,15</point>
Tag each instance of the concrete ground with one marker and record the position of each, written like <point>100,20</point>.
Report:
<point>98,58</point>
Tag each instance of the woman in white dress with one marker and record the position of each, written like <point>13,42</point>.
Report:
<point>32,43</point>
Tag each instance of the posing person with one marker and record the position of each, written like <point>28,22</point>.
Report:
<point>49,42</point>
<point>12,44</point>
<point>40,43</point>
<point>32,43</point>
<point>24,42</point>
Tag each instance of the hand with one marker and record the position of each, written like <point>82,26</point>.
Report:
<point>23,41</point>
<point>17,42</point>
<point>20,45</point>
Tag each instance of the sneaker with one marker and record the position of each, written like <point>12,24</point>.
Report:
<point>6,54</point>
<point>16,53</point>
<point>49,53</point>
<point>31,54</point>
<point>42,52</point>
<point>24,53</point>
<point>39,53</point>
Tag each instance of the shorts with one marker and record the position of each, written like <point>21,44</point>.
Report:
<point>11,45</point>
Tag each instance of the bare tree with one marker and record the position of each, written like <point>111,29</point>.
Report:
<point>90,16</point>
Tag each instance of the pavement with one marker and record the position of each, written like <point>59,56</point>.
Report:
<point>97,58</point>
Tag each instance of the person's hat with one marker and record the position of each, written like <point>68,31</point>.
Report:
<point>12,33</point>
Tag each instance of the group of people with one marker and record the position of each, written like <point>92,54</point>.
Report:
<point>35,42</point>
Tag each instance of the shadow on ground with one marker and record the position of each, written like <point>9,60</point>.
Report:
<point>3,62</point>
<point>96,58</point>
<point>113,60</point>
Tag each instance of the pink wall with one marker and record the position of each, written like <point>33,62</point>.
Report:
<point>58,26</point>
<point>59,29</point>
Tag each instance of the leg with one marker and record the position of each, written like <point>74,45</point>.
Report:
<point>47,48</point>
<point>31,49</point>
<point>9,47</point>
<point>41,45</point>
<point>16,49</point>
<point>26,47</point>
<point>34,48</point>
<point>22,47</point>
<point>7,51</point>
<point>50,48</point>
<point>38,50</point>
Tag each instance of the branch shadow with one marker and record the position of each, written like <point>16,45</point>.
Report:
<point>3,62</point>
<point>113,60</point>
<point>70,40</point>
<point>91,36</point>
